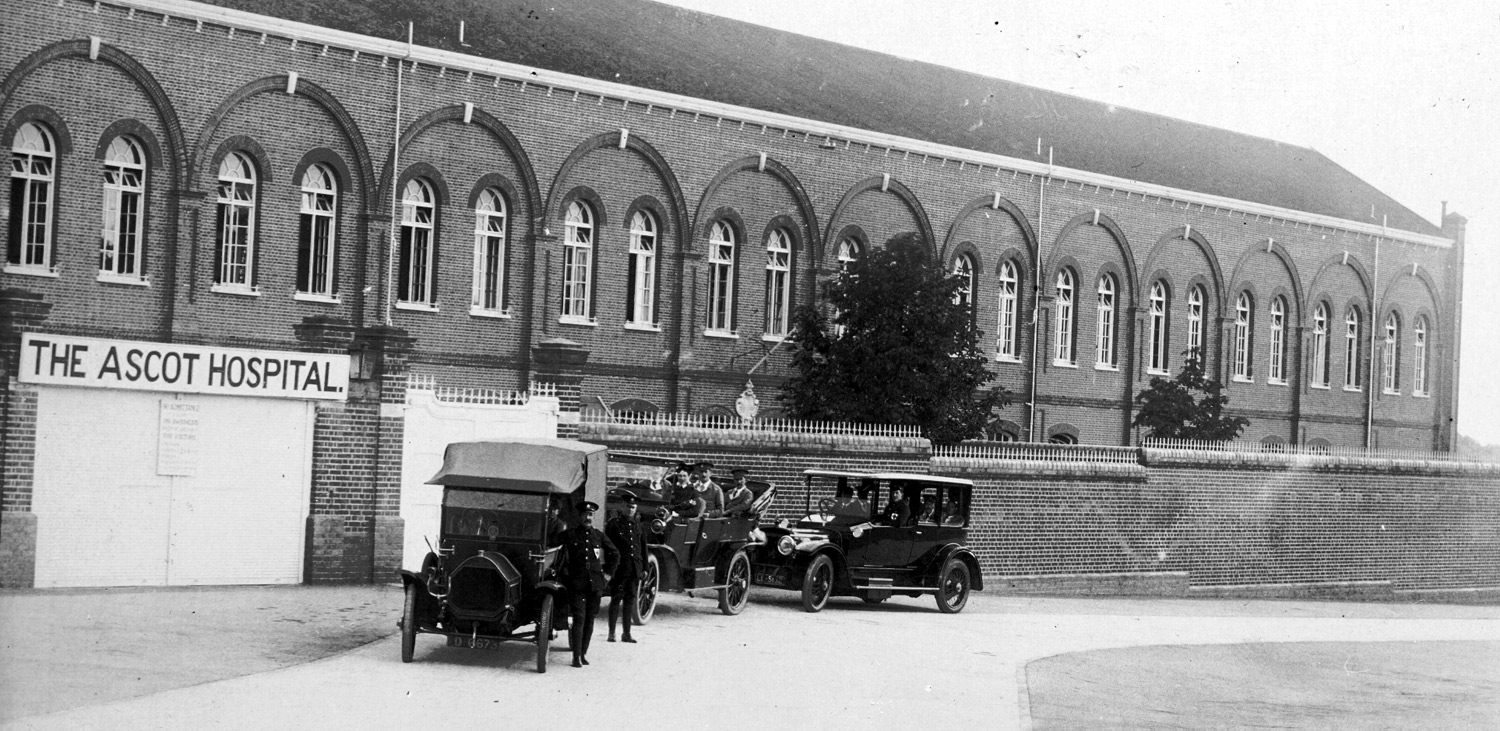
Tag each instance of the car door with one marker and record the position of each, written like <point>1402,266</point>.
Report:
<point>887,546</point>
<point>927,535</point>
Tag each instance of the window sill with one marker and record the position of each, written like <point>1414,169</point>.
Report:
<point>1354,389</point>
<point>1275,382</point>
<point>645,327</point>
<point>491,314</point>
<point>1243,379</point>
<point>726,334</point>
<point>578,320</point>
<point>129,281</point>
<point>1389,392</point>
<point>1106,367</point>
<point>319,298</point>
<point>417,306</point>
<point>31,271</point>
<point>769,338</point>
<point>1064,364</point>
<point>238,290</point>
<point>1007,359</point>
<point>1157,372</point>
<point>1420,394</point>
<point>1319,386</point>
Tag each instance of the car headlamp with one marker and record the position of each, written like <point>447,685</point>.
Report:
<point>786,545</point>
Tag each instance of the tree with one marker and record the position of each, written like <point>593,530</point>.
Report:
<point>904,351</point>
<point>1175,409</point>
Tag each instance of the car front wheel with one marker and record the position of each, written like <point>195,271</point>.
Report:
<point>953,586</point>
<point>409,623</point>
<point>645,598</point>
<point>817,584</point>
<point>736,591</point>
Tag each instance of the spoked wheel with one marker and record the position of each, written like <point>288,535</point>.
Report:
<point>409,623</point>
<point>817,585</point>
<point>953,586</point>
<point>736,591</point>
<point>543,633</point>
<point>645,599</point>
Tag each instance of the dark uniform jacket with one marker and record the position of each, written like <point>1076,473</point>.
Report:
<point>630,541</point>
<point>896,513</point>
<point>587,556</point>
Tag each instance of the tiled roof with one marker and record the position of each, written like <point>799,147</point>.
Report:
<point>664,48</point>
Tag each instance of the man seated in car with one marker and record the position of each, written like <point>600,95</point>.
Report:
<point>928,513</point>
<point>897,512</point>
<point>686,502</point>
<point>846,505</point>
<point>739,498</point>
<point>709,492</point>
<point>953,510</point>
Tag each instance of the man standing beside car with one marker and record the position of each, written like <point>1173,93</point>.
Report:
<point>624,587</point>
<point>590,555</point>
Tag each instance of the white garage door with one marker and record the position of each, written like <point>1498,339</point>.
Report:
<point>231,511</point>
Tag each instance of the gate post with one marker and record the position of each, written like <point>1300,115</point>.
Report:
<point>560,362</point>
<point>20,311</point>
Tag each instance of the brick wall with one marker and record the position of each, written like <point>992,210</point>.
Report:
<point>1173,522</point>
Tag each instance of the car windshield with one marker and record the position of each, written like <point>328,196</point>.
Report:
<point>496,516</point>
<point>633,474</point>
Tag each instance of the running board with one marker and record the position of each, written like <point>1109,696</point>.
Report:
<point>889,587</point>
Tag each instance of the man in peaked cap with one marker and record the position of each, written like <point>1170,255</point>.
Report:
<point>624,530</point>
<point>709,492</point>
<point>588,557</point>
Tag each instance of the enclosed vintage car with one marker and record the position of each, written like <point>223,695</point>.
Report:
<point>491,576</point>
<point>847,548</point>
<point>700,553</point>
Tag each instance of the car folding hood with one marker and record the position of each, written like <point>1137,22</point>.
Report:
<point>526,465</point>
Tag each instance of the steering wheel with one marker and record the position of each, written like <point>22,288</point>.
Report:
<point>825,506</point>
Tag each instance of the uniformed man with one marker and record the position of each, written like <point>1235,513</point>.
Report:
<point>589,556</point>
<point>708,490</point>
<point>739,498</point>
<point>685,500</point>
<point>897,512</point>
<point>624,530</point>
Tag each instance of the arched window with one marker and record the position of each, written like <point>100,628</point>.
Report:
<point>640,291</point>
<point>418,224</point>
<point>1351,349</point>
<point>1105,351</point>
<point>315,241</point>
<point>1390,361</point>
<point>490,232</point>
<point>1157,329</point>
<point>1276,366</point>
<point>32,173</point>
<point>124,209</point>
<point>1006,345</point>
<point>721,279</point>
<point>236,206</point>
<point>1320,347</point>
<point>1062,352</point>
<point>1243,322</point>
<point>578,262</point>
<point>1419,358</point>
<point>778,282</point>
<point>849,249</point>
<point>963,269</point>
<point>1195,323</point>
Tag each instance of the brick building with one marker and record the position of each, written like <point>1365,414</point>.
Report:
<point>626,200</point>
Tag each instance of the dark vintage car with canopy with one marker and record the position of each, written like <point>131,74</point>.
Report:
<point>848,548</point>
<point>708,553</point>
<point>491,577</point>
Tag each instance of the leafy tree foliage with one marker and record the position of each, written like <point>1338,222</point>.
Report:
<point>1190,406</point>
<point>903,352</point>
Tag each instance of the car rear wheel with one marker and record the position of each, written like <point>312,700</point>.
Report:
<point>645,600</point>
<point>543,633</point>
<point>817,584</point>
<point>409,623</point>
<point>953,586</point>
<point>736,591</point>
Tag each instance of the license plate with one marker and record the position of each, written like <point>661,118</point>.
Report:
<point>474,643</point>
<point>768,577</point>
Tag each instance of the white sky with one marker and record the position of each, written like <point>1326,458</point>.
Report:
<point>1403,94</point>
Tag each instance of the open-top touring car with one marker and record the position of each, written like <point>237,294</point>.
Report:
<point>852,546</point>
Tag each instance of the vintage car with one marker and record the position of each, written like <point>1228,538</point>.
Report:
<point>491,577</point>
<point>847,548</point>
<point>686,554</point>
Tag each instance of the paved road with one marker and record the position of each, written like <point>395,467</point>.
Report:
<point>1006,662</point>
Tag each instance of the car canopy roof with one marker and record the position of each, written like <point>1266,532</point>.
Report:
<point>548,466</point>
<point>890,476</point>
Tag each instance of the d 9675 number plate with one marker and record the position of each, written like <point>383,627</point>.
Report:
<point>474,643</point>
